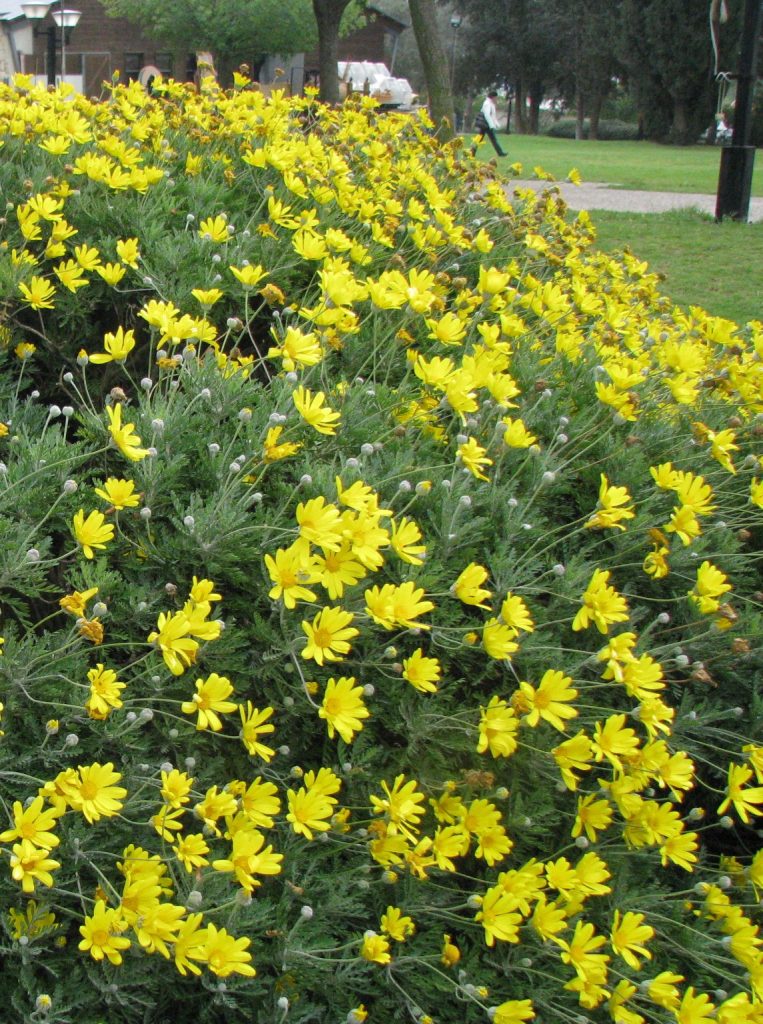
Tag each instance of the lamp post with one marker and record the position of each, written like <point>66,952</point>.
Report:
<point>737,160</point>
<point>64,20</point>
<point>455,24</point>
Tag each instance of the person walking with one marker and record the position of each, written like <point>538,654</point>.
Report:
<point>486,123</point>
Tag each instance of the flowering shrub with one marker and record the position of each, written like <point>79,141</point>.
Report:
<point>379,610</point>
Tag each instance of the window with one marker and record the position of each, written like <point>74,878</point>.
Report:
<point>164,63</point>
<point>133,63</point>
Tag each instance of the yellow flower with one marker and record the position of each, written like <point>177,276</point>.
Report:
<point>226,955</point>
<point>112,273</point>
<point>514,1011</point>
<point>756,492</point>
<point>745,801</point>
<point>70,274</point>
<point>448,330</point>
<point>580,953</point>
<point>289,570</point>
<point>614,740</point>
<point>421,672</point>
<point>627,938</point>
<point>249,276</point>
<point>396,924</point>
<point>33,823</point>
<point>311,407</point>
<point>612,507</point>
<point>343,708</point>
<point>573,756</point>
<point>498,916</point>
<point>451,954</point>
<point>516,615</point>
<point>172,637</point>
<point>550,702</point>
<point>402,806</point>
<point>101,934</point>
<point>118,347</point>
<point>214,229</point>
<point>468,587</point>
<point>248,859</point>
<point>684,523</point>
<point>328,635</point>
<point>404,541</point>
<point>593,816</point>
<point>105,689</point>
<point>400,605</point>
<point>711,584</point>
<point>273,449</point>
<point>498,728</point>
<point>92,532</point>
<point>499,639</point>
<point>319,523</point>
<point>210,701</point>
<point>119,493</point>
<point>516,434</point>
<point>311,806</point>
<point>375,948</point>
<point>95,794</point>
<point>127,251</point>
<point>296,349</point>
<point>76,602</point>
<point>695,1008</point>
<point>25,350</point>
<point>254,723</point>
<point>207,296</point>
<point>602,605</point>
<point>474,457</point>
<point>124,436</point>
<point>663,990</point>
<point>38,293</point>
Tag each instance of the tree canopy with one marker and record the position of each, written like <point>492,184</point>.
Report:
<point>233,30</point>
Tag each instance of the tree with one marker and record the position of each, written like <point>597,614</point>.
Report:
<point>515,44</point>
<point>435,65</point>
<point>328,17</point>
<point>232,30</point>
<point>587,65</point>
<point>667,51</point>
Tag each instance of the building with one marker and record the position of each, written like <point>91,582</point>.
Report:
<point>95,49</point>
<point>100,46</point>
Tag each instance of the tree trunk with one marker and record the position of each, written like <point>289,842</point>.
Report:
<point>328,16</point>
<point>579,115</point>
<point>679,126</point>
<point>536,98</point>
<point>597,100</point>
<point>519,112</point>
<point>435,65</point>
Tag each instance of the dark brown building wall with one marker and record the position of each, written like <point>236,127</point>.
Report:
<point>101,45</point>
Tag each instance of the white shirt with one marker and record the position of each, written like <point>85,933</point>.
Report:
<point>488,111</point>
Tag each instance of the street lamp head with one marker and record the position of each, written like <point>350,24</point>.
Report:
<point>34,11</point>
<point>455,21</point>
<point>67,18</point>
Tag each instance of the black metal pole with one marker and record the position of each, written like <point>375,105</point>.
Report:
<point>51,32</point>
<point>738,159</point>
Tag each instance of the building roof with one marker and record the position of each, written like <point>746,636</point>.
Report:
<point>376,9</point>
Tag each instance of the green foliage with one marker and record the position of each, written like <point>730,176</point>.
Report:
<point>335,378</point>
<point>618,131</point>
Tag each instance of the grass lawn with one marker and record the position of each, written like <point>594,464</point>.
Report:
<point>639,165</point>
<point>716,266</point>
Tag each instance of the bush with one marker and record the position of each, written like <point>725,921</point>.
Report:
<point>609,131</point>
<point>379,569</point>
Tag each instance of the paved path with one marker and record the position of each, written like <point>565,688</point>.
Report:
<point>598,195</point>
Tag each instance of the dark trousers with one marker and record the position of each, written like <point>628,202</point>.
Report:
<point>492,136</point>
